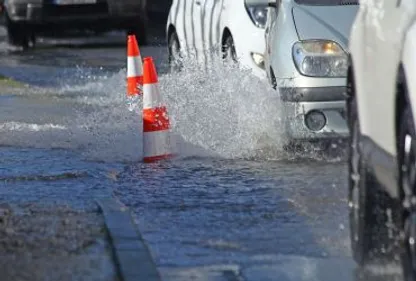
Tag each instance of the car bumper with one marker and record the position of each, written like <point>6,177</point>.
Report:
<point>298,103</point>
<point>42,13</point>
<point>248,43</point>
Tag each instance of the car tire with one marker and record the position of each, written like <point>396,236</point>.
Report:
<point>175,57</point>
<point>17,33</point>
<point>407,183</point>
<point>368,204</point>
<point>229,53</point>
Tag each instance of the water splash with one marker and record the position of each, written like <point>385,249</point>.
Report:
<point>19,126</point>
<point>222,111</point>
<point>217,110</point>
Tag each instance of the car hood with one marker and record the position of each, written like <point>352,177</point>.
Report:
<point>325,22</point>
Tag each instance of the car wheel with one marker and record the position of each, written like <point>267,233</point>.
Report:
<point>407,181</point>
<point>367,202</point>
<point>17,33</point>
<point>228,50</point>
<point>175,57</point>
<point>358,209</point>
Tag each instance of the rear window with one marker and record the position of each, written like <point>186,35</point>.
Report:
<point>327,2</point>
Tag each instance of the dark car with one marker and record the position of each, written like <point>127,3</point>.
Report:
<point>158,10</point>
<point>24,19</point>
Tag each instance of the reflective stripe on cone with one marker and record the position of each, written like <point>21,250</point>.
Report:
<point>156,145</point>
<point>134,67</point>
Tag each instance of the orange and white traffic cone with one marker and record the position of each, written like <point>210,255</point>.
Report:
<point>134,67</point>
<point>156,124</point>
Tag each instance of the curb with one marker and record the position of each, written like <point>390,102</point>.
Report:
<point>133,259</point>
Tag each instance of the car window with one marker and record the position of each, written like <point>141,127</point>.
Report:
<point>327,2</point>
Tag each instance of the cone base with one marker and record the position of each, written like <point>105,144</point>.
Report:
<point>157,158</point>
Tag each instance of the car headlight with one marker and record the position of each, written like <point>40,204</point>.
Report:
<point>258,14</point>
<point>320,58</point>
<point>258,59</point>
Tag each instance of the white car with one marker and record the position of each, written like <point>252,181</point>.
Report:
<point>233,28</point>
<point>306,60</point>
<point>381,108</point>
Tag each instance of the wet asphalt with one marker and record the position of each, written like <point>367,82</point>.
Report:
<point>231,206</point>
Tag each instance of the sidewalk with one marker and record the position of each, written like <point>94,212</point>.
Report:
<point>59,223</point>
<point>58,243</point>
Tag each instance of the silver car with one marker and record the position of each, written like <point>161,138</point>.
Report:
<point>306,60</point>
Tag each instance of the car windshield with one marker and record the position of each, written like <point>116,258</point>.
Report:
<point>327,2</point>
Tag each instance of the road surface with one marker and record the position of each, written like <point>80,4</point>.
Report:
<point>231,206</point>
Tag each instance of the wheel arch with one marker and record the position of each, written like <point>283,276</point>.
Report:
<point>350,76</point>
<point>225,34</point>
<point>406,87</point>
<point>350,90</point>
<point>400,101</point>
<point>171,30</point>
<point>273,80</point>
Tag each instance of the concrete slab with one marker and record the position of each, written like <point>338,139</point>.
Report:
<point>40,243</point>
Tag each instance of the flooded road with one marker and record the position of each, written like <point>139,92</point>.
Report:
<point>231,206</point>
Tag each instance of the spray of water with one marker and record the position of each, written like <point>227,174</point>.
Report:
<point>220,111</point>
<point>223,109</point>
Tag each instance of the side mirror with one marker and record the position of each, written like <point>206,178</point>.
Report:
<point>271,4</point>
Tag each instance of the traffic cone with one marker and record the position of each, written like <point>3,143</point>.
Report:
<point>156,124</point>
<point>134,67</point>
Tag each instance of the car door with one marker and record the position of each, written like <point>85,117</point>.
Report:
<point>386,22</point>
<point>211,25</point>
<point>197,10</point>
<point>188,24</point>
